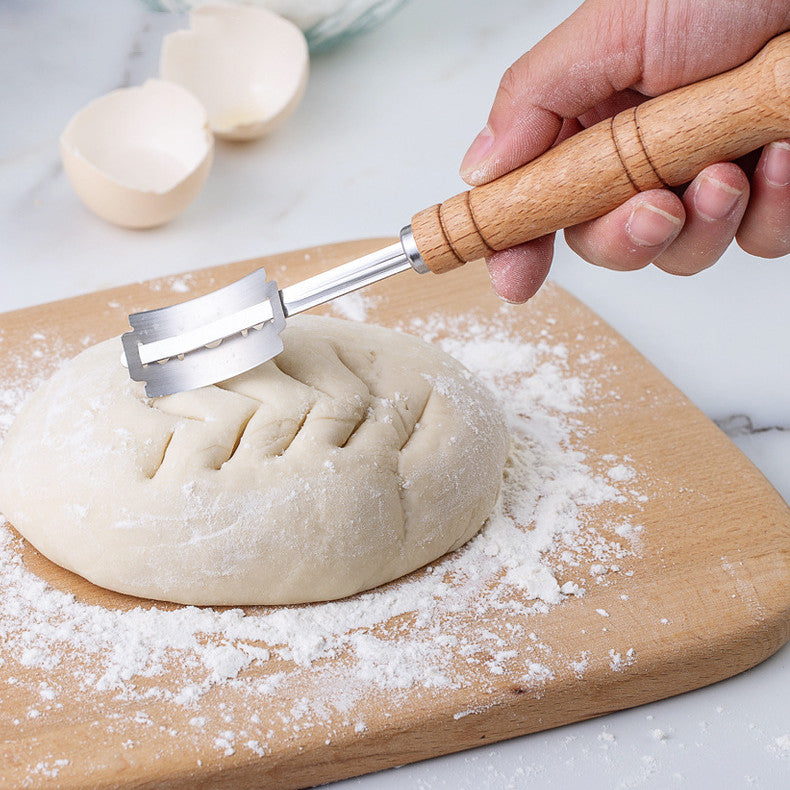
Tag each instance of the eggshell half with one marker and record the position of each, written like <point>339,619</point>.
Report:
<point>139,156</point>
<point>247,65</point>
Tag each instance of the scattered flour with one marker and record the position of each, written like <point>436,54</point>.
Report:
<point>618,662</point>
<point>781,746</point>
<point>462,622</point>
<point>177,284</point>
<point>353,306</point>
<point>621,473</point>
<point>606,739</point>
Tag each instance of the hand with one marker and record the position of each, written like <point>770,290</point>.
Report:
<point>614,54</point>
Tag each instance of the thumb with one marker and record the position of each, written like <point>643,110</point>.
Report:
<point>590,57</point>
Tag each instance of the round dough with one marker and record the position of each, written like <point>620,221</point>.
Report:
<point>354,457</point>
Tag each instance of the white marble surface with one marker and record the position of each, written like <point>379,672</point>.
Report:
<point>381,131</point>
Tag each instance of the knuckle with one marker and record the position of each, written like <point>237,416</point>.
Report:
<point>508,86</point>
<point>514,84</point>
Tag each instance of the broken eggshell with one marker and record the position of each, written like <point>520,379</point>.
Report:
<point>248,66</point>
<point>138,156</point>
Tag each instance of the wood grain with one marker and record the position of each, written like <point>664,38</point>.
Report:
<point>709,595</point>
<point>664,142</point>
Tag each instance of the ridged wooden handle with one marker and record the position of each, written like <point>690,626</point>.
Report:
<point>664,142</point>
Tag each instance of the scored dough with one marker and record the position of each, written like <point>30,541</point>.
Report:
<point>354,457</point>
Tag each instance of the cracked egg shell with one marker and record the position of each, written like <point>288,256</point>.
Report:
<point>138,156</point>
<point>247,65</point>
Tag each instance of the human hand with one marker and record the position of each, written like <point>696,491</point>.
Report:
<point>614,54</point>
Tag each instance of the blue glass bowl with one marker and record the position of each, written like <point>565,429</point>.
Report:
<point>348,19</point>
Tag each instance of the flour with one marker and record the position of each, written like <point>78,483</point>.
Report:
<point>659,734</point>
<point>781,745</point>
<point>618,662</point>
<point>177,284</point>
<point>465,620</point>
<point>606,739</point>
<point>353,306</point>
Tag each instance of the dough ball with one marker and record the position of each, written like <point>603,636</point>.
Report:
<point>354,457</point>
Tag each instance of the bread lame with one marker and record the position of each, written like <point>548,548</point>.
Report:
<point>663,142</point>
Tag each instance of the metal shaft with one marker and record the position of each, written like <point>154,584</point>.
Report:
<point>353,275</point>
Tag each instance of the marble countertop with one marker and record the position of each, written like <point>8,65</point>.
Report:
<point>383,126</point>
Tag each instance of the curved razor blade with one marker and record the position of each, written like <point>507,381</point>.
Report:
<point>207,339</point>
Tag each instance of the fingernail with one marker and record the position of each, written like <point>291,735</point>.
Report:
<point>714,199</point>
<point>649,226</point>
<point>477,153</point>
<point>776,167</point>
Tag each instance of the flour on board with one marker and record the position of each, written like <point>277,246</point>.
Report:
<point>352,307</point>
<point>446,626</point>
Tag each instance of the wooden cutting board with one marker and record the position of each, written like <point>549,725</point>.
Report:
<point>707,596</point>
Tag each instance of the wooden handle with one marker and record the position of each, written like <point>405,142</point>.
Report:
<point>664,142</point>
